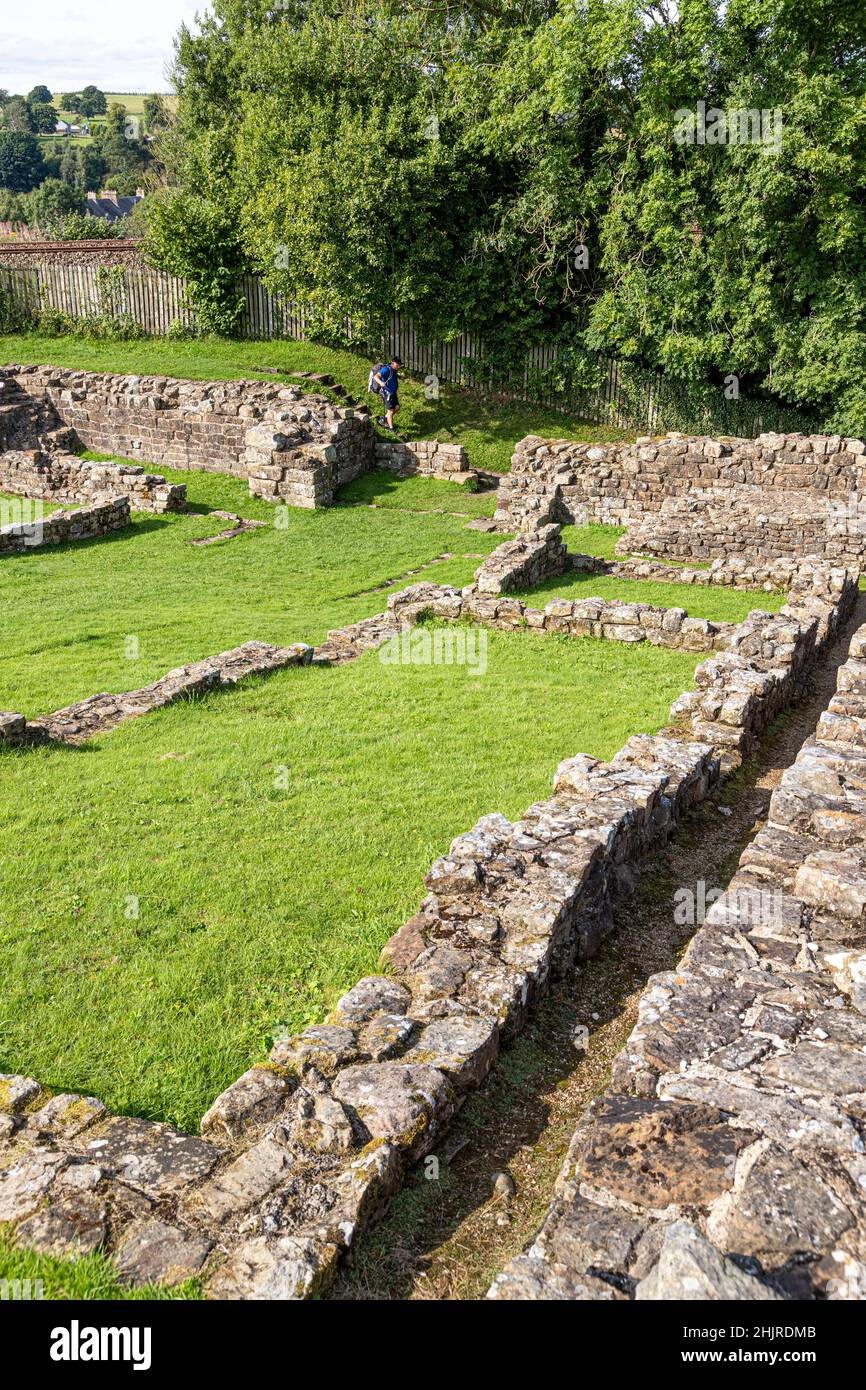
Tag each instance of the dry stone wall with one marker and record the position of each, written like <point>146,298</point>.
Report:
<point>524,563</point>
<point>726,1160</point>
<point>82,524</point>
<point>294,447</point>
<point>694,497</point>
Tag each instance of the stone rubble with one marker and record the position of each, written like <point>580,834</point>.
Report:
<point>726,1160</point>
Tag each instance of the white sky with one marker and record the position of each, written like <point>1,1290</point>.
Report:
<point>119,45</point>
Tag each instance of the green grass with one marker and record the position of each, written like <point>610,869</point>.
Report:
<point>183,602</point>
<point>92,1277</point>
<point>22,507</point>
<point>488,428</point>
<point>593,540</point>
<point>699,601</point>
<point>380,488</point>
<point>259,902</point>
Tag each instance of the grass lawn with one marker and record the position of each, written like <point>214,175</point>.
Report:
<point>14,508</point>
<point>169,900</point>
<point>489,428</point>
<point>72,608</point>
<point>380,488</point>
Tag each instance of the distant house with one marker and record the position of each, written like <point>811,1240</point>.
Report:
<point>69,128</point>
<point>109,206</point>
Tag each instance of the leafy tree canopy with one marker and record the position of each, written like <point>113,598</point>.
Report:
<point>531,171</point>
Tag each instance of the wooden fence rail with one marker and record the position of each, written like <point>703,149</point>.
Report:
<point>639,400</point>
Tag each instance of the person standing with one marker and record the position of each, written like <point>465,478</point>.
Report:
<point>388,380</point>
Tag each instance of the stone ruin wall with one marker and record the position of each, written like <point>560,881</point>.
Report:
<point>82,524</point>
<point>293,446</point>
<point>698,498</point>
<point>725,1159</point>
<point>63,478</point>
<point>299,1155</point>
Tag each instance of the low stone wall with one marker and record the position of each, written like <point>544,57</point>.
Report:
<point>60,528</point>
<point>688,496</point>
<point>726,1159</point>
<point>61,477</point>
<point>591,617</point>
<point>100,713</point>
<point>523,563</point>
<point>700,528</point>
<point>426,457</point>
<point>294,447</point>
<point>734,572</point>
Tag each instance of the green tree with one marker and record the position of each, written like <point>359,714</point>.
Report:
<point>16,115</point>
<point>92,102</point>
<point>521,169</point>
<point>53,199</point>
<point>157,116</point>
<point>82,168</point>
<point>13,207</point>
<point>124,160</point>
<point>43,117</point>
<point>40,96</point>
<point>21,164</point>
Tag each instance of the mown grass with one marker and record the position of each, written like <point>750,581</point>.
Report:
<point>175,893</point>
<point>168,899</point>
<point>91,1277</point>
<point>489,427</point>
<point>72,610</point>
<point>380,488</point>
<point>699,601</point>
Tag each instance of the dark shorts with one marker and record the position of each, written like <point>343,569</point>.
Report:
<point>391,402</point>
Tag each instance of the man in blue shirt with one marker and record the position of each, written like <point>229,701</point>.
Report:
<point>388,381</point>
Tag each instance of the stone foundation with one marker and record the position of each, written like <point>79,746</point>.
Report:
<point>524,563</point>
<point>426,457</point>
<point>61,528</point>
<point>300,1154</point>
<point>692,497</point>
<point>294,447</point>
<point>60,477</point>
<point>726,1159</point>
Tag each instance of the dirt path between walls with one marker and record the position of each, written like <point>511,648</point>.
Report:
<point>448,1232</point>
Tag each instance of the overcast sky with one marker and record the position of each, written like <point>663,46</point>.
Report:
<point>119,45</point>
